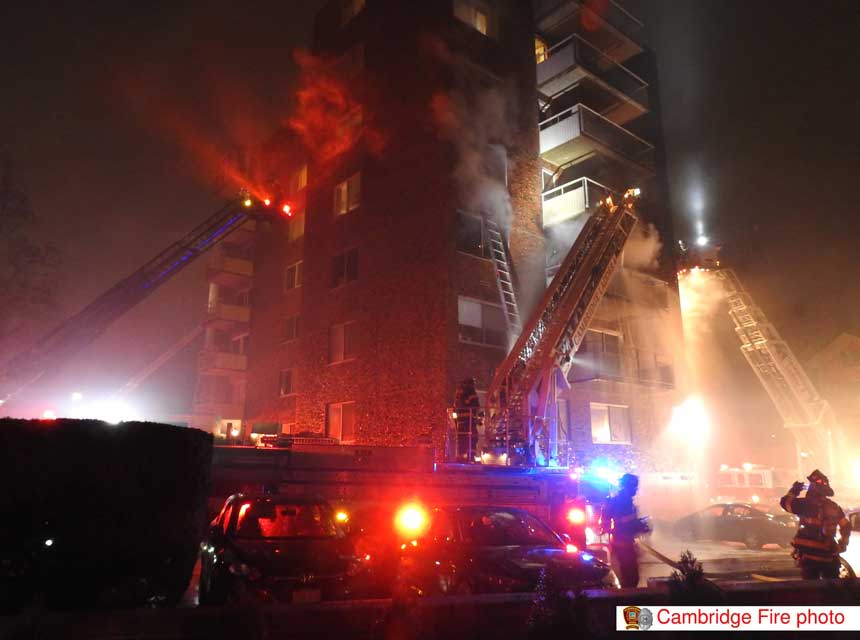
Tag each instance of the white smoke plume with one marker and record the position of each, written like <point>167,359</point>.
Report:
<point>642,251</point>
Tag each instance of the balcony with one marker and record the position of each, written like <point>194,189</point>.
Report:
<point>222,315</point>
<point>634,366</point>
<point>571,199</point>
<point>230,271</point>
<point>243,236</point>
<point>577,131</point>
<point>222,362</point>
<point>605,85</point>
<point>612,30</point>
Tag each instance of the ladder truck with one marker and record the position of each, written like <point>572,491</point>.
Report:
<point>75,333</point>
<point>804,412</point>
<point>522,395</point>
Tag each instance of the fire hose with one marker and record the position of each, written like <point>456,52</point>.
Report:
<point>849,572</point>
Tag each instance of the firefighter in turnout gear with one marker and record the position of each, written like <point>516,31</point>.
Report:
<point>469,416</point>
<point>621,521</point>
<point>816,549</point>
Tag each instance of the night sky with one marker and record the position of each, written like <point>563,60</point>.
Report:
<point>106,106</point>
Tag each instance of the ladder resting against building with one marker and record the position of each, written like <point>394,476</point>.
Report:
<point>80,330</point>
<point>524,386</point>
<point>504,279</point>
<point>804,412</point>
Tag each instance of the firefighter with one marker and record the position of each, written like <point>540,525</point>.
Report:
<point>468,408</point>
<point>621,521</point>
<point>816,549</point>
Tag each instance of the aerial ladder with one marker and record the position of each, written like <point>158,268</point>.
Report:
<point>75,333</point>
<point>522,394</point>
<point>805,413</point>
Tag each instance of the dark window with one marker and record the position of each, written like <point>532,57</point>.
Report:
<point>293,276</point>
<point>342,343</point>
<point>290,328</point>
<point>470,235</point>
<point>344,268</point>
<point>340,421</point>
<point>285,382</point>
<point>481,322</point>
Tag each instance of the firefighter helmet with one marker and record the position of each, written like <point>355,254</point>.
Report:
<point>629,481</point>
<point>818,483</point>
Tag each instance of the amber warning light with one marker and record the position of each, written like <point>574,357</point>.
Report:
<point>411,520</point>
<point>287,209</point>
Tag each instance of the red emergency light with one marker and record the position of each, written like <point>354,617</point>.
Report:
<point>576,515</point>
<point>287,210</point>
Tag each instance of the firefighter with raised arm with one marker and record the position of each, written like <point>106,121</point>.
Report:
<point>816,548</point>
<point>621,521</point>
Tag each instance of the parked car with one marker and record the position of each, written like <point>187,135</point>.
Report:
<point>492,550</point>
<point>278,549</point>
<point>737,522</point>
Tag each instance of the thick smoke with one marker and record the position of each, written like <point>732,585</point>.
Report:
<point>642,252</point>
<point>476,119</point>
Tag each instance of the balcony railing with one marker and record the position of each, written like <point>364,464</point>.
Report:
<point>562,137</point>
<point>229,312</point>
<point>628,365</point>
<point>557,71</point>
<point>212,360</point>
<point>611,12</point>
<point>571,199</point>
<point>224,263</point>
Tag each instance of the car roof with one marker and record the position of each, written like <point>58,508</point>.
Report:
<point>256,497</point>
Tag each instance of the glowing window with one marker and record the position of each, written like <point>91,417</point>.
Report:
<point>293,276</point>
<point>476,17</point>
<point>347,194</point>
<point>541,51</point>
<point>342,342</point>
<point>285,382</point>
<point>299,180</point>
<point>340,421</point>
<point>296,229</point>
<point>610,424</point>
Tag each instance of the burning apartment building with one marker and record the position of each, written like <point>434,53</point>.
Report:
<point>424,132</point>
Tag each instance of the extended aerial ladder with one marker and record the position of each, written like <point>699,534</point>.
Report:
<point>80,330</point>
<point>523,389</point>
<point>805,413</point>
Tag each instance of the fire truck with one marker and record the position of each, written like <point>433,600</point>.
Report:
<point>521,423</point>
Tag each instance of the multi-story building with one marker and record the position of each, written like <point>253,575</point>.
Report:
<point>379,295</point>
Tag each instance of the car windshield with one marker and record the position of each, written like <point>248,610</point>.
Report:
<point>499,527</point>
<point>270,519</point>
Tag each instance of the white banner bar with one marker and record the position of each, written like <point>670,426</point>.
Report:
<point>728,618</point>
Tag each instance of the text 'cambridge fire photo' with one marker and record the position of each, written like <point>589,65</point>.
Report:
<point>404,319</point>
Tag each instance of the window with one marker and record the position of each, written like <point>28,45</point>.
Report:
<point>610,424</point>
<point>470,235</point>
<point>340,421</point>
<point>290,329</point>
<point>342,340</point>
<point>293,276</point>
<point>296,228</point>
<point>347,194</point>
<point>285,382</point>
<point>239,345</point>
<point>481,323</point>
<point>603,349</point>
<point>541,51</point>
<point>344,268</point>
<point>351,8</point>
<point>476,17</point>
<point>299,180</point>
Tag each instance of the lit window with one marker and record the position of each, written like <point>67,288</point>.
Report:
<point>285,382</point>
<point>541,51</point>
<point>347,194</point>
<point>476,17</point>
<point>296,229</point>
<point>610,424</point>
<point>293,276</point>
<point>351,8</point>
<point>344,268</point>
<point>299,180</point>
<point>340,421</point>
<point>288,428</point>
<point>290,328</point>
<point>342,340</point>
<point>481,322</point>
